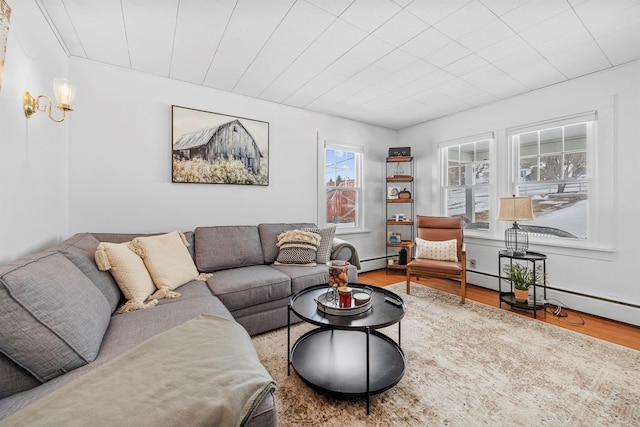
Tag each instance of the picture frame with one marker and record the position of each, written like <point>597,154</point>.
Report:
<point>214,148</point>
<point>399,151</point>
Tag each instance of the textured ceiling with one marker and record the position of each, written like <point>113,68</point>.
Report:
<point>390,63</point>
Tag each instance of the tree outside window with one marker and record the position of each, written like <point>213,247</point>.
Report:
<point>468,180</point>
<point>552,169</point>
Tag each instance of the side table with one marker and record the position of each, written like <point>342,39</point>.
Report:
<point>508,297</point>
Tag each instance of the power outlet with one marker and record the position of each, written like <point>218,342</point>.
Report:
<point>472,263</point>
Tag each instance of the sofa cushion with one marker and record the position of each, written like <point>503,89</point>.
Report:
<point>223,247</point>
<point>298,247</point>
<point>302,278</point>
<point>130,274</point>
<point>14,378</point>
<point>323,255</point>
<point>80,249</point>
<point>269,237</point>
<point>53,317</point>
<point>243,287</point>
<point>167,259</point>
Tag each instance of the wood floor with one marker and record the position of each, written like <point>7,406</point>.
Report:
<point>609,330</point>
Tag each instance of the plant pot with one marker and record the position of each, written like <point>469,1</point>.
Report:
<point>521,295</point>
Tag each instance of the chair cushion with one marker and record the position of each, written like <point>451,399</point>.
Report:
<point>446,250</point>
<point>435,266</point>
<point>53,317</point>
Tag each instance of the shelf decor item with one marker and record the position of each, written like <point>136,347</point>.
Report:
<point>404,194</point>
<point>515,209</point>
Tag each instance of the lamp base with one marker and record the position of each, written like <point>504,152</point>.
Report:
<point>516,240</point>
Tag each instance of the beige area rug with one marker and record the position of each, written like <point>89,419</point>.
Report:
<point>474,365</point>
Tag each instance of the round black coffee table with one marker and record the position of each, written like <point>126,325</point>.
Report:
<point>346,355</point>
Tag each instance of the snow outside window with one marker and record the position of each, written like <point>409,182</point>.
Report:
<point>467,183</point>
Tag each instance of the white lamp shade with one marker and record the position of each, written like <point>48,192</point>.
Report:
<point>515,209</point>
<point>65,91</point>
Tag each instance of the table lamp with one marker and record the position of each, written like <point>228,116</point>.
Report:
<point>515,209</point>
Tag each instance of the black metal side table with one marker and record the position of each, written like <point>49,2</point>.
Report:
<point>346,355</point>
<point>508,297</point>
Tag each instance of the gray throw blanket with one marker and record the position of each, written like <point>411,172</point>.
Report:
<point>338,245</point>
<point>202,373</point>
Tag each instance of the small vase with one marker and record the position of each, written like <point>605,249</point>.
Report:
<point>521,295</point>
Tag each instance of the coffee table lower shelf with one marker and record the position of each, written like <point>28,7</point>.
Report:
<point>335,361</point>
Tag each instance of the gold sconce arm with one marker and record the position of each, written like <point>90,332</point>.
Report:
<point>65,92</point>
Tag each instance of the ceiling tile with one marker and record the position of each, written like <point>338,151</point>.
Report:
<point>426,43</point>
<point>617,48</point>
<point>65,30</point>
<point>447,55</point>
<point>101,31</point>
<point>400,28</point>
<point>370,49</point>
<point>519,59</point>
<point>494,32</point>
<point>580,60</point>
<point>370,14</point>
<point>198,32</point>
<point>466,65</point>
<point>395,61</point>
<point>606,17</point>
<point>153,58</point>
<point>500,7</point>
<point>433,12</point>
<point>533,12</point>
<point>472,16</point>
<point>538,74</point>
<point>495,82</point>
<point>334,7</point>
<point>503,49</point>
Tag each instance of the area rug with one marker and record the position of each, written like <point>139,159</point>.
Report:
<point>473,364</point>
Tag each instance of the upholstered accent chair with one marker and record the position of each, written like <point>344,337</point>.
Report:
<point>437,257</point>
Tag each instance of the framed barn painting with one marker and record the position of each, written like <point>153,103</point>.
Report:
<point>212,148</point>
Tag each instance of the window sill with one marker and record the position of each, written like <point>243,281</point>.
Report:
<point>355,232</point>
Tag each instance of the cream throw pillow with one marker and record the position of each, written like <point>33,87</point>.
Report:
<point>446,250</point>
<point>129,272</point>
<point>168,261</point>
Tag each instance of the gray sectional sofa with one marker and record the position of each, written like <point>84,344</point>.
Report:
<point>57,320</point>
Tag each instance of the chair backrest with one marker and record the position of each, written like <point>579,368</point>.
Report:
<point>438,228</point>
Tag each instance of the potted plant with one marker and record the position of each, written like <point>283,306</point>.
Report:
<point>522,278</point>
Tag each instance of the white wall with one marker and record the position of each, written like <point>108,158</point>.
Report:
<point>120,159</point>
<point>608,272</point>
<point>33,152</point>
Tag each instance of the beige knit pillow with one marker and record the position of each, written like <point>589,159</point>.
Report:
<point>446,250</point>
<point>168,261</point>
<point>129,272</point>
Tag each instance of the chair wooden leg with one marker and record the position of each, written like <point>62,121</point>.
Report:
<point>463,288</point>
<point>408,281</point>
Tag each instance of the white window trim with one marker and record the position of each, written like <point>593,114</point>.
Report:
<point>491,136</point>
<point>321,189</point>
<point>591,117</point>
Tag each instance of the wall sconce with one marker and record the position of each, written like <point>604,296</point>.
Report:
<point>64,90</point>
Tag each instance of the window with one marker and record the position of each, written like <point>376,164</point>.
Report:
<point>343,186</point>
<point>467,189</point>
<point>552,167</point>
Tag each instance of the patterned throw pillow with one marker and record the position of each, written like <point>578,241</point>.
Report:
<point>298,247</point>
<point>446,250</point>
<point>323,255</point>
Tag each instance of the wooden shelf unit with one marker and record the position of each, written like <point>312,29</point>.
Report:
<point>399,177</point>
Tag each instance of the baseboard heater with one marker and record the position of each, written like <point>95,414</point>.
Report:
<point>551,288</point>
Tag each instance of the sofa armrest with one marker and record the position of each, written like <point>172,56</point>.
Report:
<point>345,251</point>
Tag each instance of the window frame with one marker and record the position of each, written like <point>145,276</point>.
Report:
<point>358,188</point>
<point>590,118</point>
<point>443,149</point>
